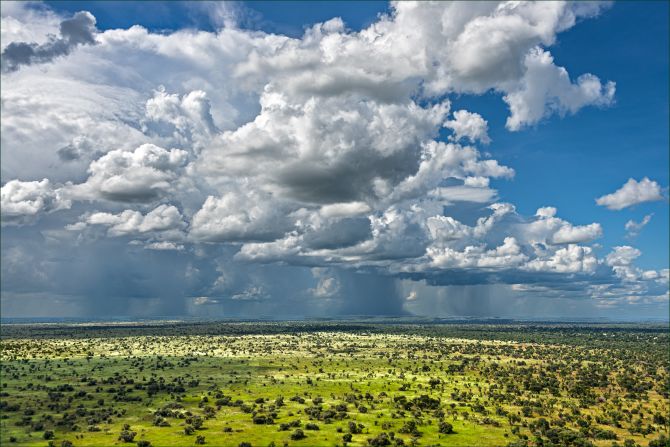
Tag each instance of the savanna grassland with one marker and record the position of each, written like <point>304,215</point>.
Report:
<point>320,383</point>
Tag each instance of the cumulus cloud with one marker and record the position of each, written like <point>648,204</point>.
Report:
<point>469,125</point>
<point>24,202</point>
<point>546,89</point>
<point>78,30</point>
<point>546,228</point>
<point>622,255</point>
<point>571,259</point>
<point>141,175</point>
<point>508,255</point>
<point>164,218</point>
<point>239,216</point>
<point>186,120</point>
<point>569,234</point>
<point>632,193</point>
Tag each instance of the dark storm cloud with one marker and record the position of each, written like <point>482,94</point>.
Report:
<point>79,30</point>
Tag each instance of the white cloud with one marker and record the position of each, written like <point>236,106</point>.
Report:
<point>508,255</point>
<point>239,216</point>
<point>142,175</point>
<point>633,228</point>
<point>186,120</point>
<point>569,234</point>
<point>622,255</point>
<point>632,193</point>
<point>547,211</point>
<point>23,202</point>
<point>571,259</point>
<point>549,229</point>
<point>469,125</point>
<point>165,219</point>
<point>546,89</point>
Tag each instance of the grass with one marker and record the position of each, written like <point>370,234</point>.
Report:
<point>486,387</point>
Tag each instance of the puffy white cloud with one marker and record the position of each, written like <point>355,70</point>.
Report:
<point>142,175</point>
<point>469,125</point>
<point>571,259</point>
<point>506,256</point>
<point>187,120</point>
<point>569,234</point>
<point>440,161</point>
<point>24,202</point>
<point>546,89</point>
<point>548,229</point>
<point>164,218</point>
<point>324,150</point>
<point>547,211</point>
<point>622,255</point>
<point>239,216</point>
<point>632,193</point>
<point>633,228</point>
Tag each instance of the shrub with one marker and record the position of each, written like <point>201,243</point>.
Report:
<point>298,434</point>
<point>445,428</point>
<point>127,436</point>
<point>382,439</point>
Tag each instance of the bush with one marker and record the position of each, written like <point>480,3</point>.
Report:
<point>355,429</point>
<point>127,436</point>
<point>382,439</point>
<point>347,437</point>
<point>143,443</point>
<point>48,435</point>
<point>298,434</point>
<point>311,426</point>
<point>200,440</point>
<point>445,428</point>
<point>188,430</point>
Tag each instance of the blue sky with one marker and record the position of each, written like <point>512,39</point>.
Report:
<point>573,146</point>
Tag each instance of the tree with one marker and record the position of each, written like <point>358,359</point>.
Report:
<point>445,428</point>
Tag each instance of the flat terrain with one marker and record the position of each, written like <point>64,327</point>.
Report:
<point>356,384</point>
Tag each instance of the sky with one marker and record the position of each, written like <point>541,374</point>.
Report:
<point>335,159</point>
